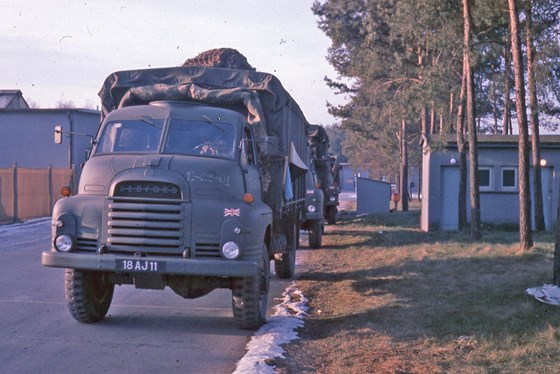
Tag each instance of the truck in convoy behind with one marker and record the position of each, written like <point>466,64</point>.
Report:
<point>196,181</point>
<point>314,218</point>
<point>325,167</point>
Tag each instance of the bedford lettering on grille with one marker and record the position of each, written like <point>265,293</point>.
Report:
<point>148,189</point>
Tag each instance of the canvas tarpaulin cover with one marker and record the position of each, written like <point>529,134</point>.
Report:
<point>268,107</point>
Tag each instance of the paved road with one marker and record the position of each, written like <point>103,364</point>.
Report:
<point>145,331</point>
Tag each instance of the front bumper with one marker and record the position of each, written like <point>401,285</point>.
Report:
<point>318,215</point>
<point>172,265</point>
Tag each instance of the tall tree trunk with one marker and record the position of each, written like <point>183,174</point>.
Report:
<point>433,119</point>
<point>556,266</point>
<point>451,109</point>
<point>471,127</point>
<point>494,106</point>
<point>506,126</point>
<point>462,153</point>
<point>404,167</point>
<point>525,234</point>
<point>425,140</point>
<point>533,105</point>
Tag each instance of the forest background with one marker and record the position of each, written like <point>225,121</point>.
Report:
<point>410,69</point>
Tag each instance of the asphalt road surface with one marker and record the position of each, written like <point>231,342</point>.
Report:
<point>145,331</point>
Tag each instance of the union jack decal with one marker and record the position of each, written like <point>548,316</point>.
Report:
<point>232,212</point>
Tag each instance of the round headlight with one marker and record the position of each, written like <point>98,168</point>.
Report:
<point>230,250</point>
<point>311,208</point>
<point>63,243</point>
<point>332,198</point>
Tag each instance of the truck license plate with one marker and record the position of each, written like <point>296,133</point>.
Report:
<point>141,266</point>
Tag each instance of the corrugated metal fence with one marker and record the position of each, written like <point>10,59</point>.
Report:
<point>30,193</point>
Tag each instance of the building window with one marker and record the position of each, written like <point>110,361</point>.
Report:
<point>484,178</point>
<point>509,178</point>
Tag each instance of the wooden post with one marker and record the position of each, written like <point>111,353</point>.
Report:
<point>50,189</point>
<point>15,187</point>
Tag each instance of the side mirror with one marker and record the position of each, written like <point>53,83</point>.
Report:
<point>58,134</point>
<point>270,146</point>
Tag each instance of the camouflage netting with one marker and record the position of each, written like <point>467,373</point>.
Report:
<point>228,58</point>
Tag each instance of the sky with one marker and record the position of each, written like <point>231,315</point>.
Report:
<point>60,50</point>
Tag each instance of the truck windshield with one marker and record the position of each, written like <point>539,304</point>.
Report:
<point>131,136</point>
<point>201,138</point>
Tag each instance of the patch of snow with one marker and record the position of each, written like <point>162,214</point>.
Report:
<point>266,343</point>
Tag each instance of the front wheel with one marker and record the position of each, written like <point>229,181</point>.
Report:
<point>250,297</point>
<point>88,294</point>
<point>315,234</point>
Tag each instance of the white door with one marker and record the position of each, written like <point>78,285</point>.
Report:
<point>449,208</point>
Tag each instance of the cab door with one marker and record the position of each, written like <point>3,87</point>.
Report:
<point>249,164</point>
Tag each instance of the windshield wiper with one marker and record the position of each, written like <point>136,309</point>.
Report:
<point>209,120</point>
<point>148,120</point>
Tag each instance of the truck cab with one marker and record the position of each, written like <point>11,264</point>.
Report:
<point>171,196</point>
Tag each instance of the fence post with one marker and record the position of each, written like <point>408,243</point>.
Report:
<point>14,168</point>
<point>50,188</point>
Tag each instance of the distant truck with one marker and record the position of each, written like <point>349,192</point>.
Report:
<point>326,170</point>
<point>314,217</point>
<point>196,181</point>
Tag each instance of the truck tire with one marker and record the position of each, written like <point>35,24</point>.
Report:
<point>88,294</point>
<point>250,297</point>
<point>315,234</point>
<point>331,215</point>
<point>285,262</point>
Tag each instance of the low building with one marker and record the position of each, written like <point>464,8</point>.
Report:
<point>372,197</point>
<point>498,180</point>
<point>28,137</point>
<point>348,174</point>
<point>32,167</point>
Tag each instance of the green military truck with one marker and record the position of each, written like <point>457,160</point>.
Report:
<point>195,182</point>
<point>326,170</point>
<point>313,219</point>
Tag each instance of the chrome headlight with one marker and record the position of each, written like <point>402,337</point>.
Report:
<point>63,243</point>
<point>231,250</point>
<point>311,208</point>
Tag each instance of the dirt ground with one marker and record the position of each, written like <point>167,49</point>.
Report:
<point>385,297</point>
<point>326,344</point>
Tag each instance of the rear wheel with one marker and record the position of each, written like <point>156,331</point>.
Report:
<point>315,234</point>
<point>250,297</point>
<point>88,294</point>
<point>285,262</point>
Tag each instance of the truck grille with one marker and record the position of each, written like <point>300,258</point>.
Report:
<point>143,226</point>
<point>207,250</point>
<point>86,244</point>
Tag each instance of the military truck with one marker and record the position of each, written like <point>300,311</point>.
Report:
<point>196,181</point>
<point>326,169</point>
<point>313,219</point>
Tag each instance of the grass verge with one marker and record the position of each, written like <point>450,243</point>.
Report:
<point>386,297</point>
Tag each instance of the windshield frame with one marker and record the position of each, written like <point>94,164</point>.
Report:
<point>202,131</point>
